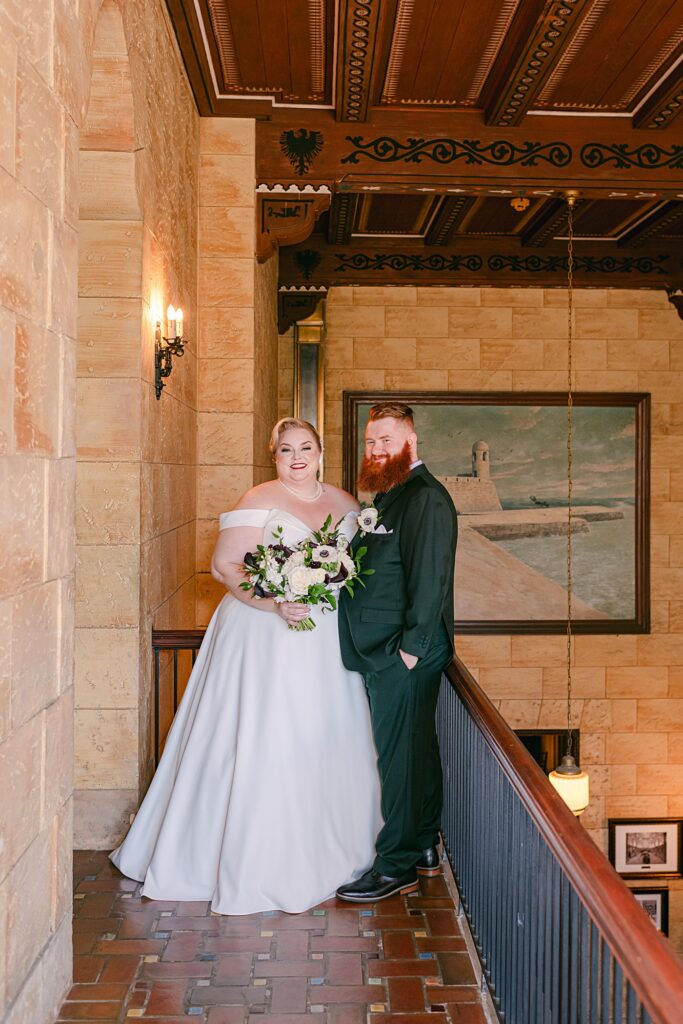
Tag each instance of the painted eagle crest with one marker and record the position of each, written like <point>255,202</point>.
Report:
<point>301,147</point>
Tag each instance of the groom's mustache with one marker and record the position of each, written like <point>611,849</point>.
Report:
<point>384,473</point>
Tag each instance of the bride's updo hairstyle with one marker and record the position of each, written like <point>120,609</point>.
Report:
<point>292,423</point>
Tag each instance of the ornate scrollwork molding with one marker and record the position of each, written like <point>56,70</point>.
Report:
<point>620,155</point>
<point>498,263</point>
<point>408,261</point>
<point>534,264</point>
<point>501,153</point>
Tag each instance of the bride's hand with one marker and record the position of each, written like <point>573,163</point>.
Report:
<point>292,612</point>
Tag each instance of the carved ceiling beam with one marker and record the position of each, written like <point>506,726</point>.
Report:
<point>652,226</point>
<point>475,262</point>
<point>453,210</point>
<point>286,217</point>
<point>342,216</point>
<point>297,303</point>
<point>664,105</point>
<point>538,36</point>
<point>550,219</point>
<point>359,54</point>
<point>455,153</point>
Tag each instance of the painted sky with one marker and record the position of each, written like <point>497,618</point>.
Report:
<point>528,448</point>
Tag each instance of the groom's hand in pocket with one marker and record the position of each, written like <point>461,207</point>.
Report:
<point>409,660</point>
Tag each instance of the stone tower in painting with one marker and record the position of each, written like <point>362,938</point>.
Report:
<point>481,460</point>
<point>474,492</point>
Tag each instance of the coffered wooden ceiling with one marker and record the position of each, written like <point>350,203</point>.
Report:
<point>392,135</point>
<point>508,59</point>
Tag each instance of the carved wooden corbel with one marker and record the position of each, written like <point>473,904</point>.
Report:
<point>675,297</point>
<point>295,304</point>
<point>286,216</point>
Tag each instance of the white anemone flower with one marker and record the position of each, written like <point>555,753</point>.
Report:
<point>367,519</point>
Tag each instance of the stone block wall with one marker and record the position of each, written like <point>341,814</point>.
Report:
<point>38,263</point>
<point>135,498</point>
<point>237,339</point>
<point>628,689</point>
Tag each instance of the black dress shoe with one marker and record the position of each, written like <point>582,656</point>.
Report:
<point>429,863</point>
<point>372,887</point>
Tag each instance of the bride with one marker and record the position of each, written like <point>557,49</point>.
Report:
<point>267,794</point>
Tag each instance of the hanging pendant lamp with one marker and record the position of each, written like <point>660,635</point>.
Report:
<point>568,779</point>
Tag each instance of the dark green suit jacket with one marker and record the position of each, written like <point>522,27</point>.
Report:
<point>410,593</point>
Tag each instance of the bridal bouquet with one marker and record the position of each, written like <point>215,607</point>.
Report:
<point>312,572</point>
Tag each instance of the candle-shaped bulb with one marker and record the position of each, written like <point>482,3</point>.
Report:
<point>179,323</point>
<point>170,322</point>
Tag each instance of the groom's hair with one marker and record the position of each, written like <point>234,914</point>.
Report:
<point>395,410</point>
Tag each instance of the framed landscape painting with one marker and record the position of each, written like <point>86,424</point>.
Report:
<point>503,458</point>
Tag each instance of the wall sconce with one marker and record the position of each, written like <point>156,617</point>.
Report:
<point>167,347</point>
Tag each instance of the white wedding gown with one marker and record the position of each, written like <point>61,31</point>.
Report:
<point>267,795</point>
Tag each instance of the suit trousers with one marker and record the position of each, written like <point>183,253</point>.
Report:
<point>403,710</point>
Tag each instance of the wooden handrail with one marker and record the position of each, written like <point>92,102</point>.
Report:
<point>648,960</point>
<point>177,639</point>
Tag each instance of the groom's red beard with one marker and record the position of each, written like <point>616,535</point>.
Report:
<point>383,474</point>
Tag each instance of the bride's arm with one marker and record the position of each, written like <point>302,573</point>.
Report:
<point>226,567</point>
<point>228,559</point>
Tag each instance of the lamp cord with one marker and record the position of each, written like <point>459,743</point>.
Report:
<point>570,438</point>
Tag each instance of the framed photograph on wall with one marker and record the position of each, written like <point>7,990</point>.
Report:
<point>645,846</point>
<point>655,903</point>
<point>503,458</point>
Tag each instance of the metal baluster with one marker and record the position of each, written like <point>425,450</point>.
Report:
<point>605,984</point>
<point>556,941</point>
<point>574,942</point>
<point>541,940</point>
<point>630,1004</point>
<point>564,949</point>
<point>595,974</point>
<point>618,994</point>
<point>526,912</point>
<point>584,939</point>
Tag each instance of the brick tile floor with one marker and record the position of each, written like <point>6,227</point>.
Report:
<point>403,961</point>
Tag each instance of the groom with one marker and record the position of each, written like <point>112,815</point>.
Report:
<point>399,633</point>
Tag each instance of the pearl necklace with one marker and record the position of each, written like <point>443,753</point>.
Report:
<point>300,497</point>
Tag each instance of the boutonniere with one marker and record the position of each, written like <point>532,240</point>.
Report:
<point>368,520</point>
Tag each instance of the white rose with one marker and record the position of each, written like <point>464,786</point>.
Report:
<point>367,519</point>
<point>301,578</point>
<point>297,558</point>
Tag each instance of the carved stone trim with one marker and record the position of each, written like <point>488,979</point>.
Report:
<point>284,219</point>
<point>358,22</point>
<point>530,66</point>
<point>452,211</point>
<point>342,216</point>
